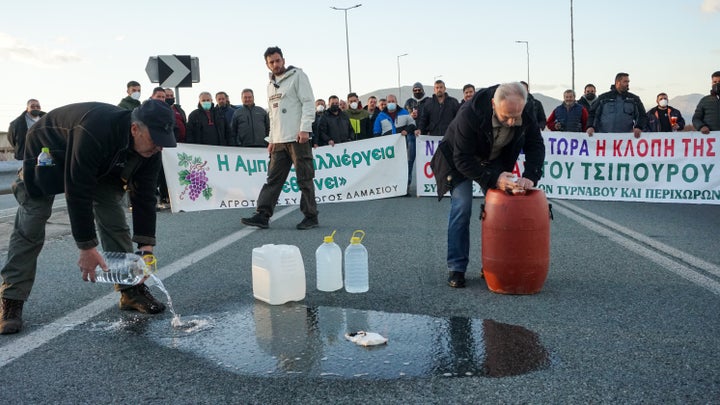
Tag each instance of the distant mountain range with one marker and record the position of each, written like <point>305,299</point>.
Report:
<point>686,104</point>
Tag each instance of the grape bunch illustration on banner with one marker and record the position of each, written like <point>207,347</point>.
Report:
<point>194,177</point>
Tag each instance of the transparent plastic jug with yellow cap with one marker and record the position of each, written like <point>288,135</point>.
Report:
<point>328,260</point>
<point>356,264</point>
<point>125,268</point>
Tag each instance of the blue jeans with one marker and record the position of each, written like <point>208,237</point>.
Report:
<point>410,140</point>
<point>461,199</point>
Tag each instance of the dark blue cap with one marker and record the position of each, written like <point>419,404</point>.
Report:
<point>160,120</point>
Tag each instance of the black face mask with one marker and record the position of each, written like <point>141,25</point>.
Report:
<point>590,96</point>
<point>35,113</point>
<point>170,100</point>
<point>334,108</point>
<point>716,89</point>
<point>418,94</point>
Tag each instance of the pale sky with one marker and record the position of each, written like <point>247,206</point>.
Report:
<point>66,52</point>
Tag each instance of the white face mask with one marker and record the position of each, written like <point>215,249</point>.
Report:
<point>354,105</point>
<point>663,103</point>
<point>135,95</point>
<point>320,108</point>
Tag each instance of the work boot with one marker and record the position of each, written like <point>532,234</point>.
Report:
<point>308,223</point>
<point>11,318</point>
<point>456,279</point>
<point>138,298</point>
<point>259,220</point>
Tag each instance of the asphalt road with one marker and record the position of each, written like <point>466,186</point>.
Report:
<point>628,314</point>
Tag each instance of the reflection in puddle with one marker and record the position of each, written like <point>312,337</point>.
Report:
<point>262,339</point>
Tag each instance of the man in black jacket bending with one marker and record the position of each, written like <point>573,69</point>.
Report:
<point>97,151</point>
<point>482,145</point>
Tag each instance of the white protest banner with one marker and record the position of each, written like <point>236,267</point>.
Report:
<point>670,167</point>
<point>203,177</point>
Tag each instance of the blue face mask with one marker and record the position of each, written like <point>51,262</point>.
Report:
<point>391,106</point>
<point>206,105</point>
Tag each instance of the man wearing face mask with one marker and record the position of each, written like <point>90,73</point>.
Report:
<point>663,118</point>
<point>359,118</point>
<point>133,98</point>
<point>482,145</point>
<point>393,120</point>
<point>334,126</point>
<point>206,125</point>
<point>315,136</point>
<point>707,113</point>
<point>19,127</point>
<point>588,97</point>
<point>180,117</point>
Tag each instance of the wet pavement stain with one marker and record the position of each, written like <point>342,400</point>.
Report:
<point>265,340</point>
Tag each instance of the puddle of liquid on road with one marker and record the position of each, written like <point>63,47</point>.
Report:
<point>266,340</point>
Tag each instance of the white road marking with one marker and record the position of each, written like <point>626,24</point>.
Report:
<point>615,233</point>
<point>26,343</point>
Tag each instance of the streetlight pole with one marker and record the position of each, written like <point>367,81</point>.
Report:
<point>527,50</point>
<point>399,88</point>
<point>572,45</point>
<point>347,40</point>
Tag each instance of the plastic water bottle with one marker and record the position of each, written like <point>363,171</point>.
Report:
<point>124,268</point>
<point>44,158</point>
<point>328,260</point>
<point>356,264</point>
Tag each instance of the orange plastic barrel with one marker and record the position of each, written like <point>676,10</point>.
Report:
<point>515,241</point>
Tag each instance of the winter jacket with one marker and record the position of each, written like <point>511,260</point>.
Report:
<point>653,119</point>
<point>385,125</point>
<point>360,121</point>
<point>336,128</point>
<point>16,134</point>
<point>583,101</point>
<point>227,112</point>
<point>250,126</point>
<point>572,120</point>
<point>91,143</point>
<point>464,152</point>
<point>707,113</point>
<point>538,112</point>
<point>291,105</point>
<point>413,103</point>
<point>434,118</point>
<point>208,128</point>
<point>180,128</point>
<point>617,112</point>
<point>129,103</point>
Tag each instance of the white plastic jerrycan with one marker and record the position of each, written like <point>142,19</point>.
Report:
<point>278,274</point>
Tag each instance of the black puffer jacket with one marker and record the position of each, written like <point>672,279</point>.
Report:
<point>208,128</point>
<point>464,152</point>
<point>434,118</point>
<point>707,113</point>
<point>91,143</point>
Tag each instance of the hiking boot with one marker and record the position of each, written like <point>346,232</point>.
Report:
<point>308,223</point>
<point>138,298</point>
<point>11,318</point>
<point>259,220</point>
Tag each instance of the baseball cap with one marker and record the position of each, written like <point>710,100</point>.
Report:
<point>417,85</point>
<point>159,119</point>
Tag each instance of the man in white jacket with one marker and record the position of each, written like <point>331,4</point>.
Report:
<point>292,112</point>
